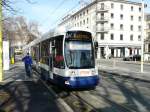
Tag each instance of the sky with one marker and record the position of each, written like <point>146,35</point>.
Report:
<point>48,13</point>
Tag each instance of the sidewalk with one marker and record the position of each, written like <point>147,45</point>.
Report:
<point>121,60</point>
<point>20,95</point>
<point>145,76</point>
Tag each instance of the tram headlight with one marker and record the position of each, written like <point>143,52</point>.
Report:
<point>71,73</point>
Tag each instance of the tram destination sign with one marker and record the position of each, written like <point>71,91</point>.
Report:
<point>78,35</point>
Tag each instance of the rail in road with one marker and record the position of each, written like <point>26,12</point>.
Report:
<point>95,100</point>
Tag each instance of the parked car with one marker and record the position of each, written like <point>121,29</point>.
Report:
<point>132,58</point>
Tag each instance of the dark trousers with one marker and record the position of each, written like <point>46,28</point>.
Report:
<point>28,70</point>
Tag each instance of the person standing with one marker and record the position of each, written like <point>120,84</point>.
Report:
<point>28,64</point>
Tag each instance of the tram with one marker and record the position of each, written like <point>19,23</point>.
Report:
<point>66,58</point>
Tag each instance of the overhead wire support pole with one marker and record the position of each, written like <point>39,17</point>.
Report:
<point>1,57</point>
<point>142,43</point>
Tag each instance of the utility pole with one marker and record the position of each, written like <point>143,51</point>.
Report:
<point>142,34</point>
<point>1,59</point>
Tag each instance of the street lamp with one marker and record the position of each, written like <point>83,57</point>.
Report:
<point>142,38</point>
<point>1,59</point>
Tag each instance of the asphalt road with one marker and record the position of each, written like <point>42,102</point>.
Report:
<point>114,94</point>
<point>128,66</point>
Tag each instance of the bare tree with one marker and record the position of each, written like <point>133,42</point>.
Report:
<point>16,29</point>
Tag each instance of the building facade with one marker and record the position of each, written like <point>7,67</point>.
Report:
<point>147,39</point>
<point>116,24</point>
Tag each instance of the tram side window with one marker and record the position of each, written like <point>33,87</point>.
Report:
<point>59,59</point>
<point>45,52</point>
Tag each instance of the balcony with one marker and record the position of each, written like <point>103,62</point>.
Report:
<point>102,8</point>
<point>102,30</point>
<point>102,19</point>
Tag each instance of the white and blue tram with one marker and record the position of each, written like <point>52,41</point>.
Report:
<point>66,58</point>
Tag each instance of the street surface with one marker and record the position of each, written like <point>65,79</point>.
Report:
<point>113,94</point>
<point>124,65</point>
<point>21,94</point>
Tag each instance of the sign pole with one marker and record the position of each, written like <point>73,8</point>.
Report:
<point>142,39</point>
<point>1,59</point>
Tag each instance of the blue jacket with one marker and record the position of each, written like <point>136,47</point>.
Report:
<point>27,60</point>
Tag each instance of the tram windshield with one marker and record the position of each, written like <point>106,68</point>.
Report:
<point>79,53</point>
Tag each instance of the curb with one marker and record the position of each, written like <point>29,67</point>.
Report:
<point>126,76</point>
<point>128,62</point>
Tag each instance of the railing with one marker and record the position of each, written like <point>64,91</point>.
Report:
<point>102,8</point>
<point>102,29</point>
<point>102,19</point>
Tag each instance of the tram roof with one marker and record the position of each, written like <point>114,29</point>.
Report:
<point>55,32</point>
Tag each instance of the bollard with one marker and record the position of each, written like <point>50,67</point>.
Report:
<point>12,60</point>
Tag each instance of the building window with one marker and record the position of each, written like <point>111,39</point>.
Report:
<point>112,36</point>
<point>131,18</point>
<point>83,22</point>
<point>131,27</point>
<point>139,38</point>
<point>148,35</point>
<point>75,25</point>
<point>80,23</point>
<point>102,6</point>
<point>121,7</point>
<point>121,26</point>
<point>112,26</point>
<point>102,15</point>
<point>121,37</point>
<point>80,15</point>
<point>84,13</point>
<point>148,47</point>
<point>112,15</point>
<point>139,28</point>
<point>131,37</point>
<point>87,20</point>
<point>121,16</point>
<point>102,36</point>
<point>87,11</point>
<point>112,5</point>
<point>139,18</point>
<point>140,9</point>
<point>148,25</point>
<point>131,8</point>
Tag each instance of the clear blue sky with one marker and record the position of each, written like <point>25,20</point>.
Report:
<point>49,12</point>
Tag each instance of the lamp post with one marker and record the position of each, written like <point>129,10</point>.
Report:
<point>1,59</point>
<point>142,38</point>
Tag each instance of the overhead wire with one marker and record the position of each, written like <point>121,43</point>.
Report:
<point>75,6</point>
<point>53,12</point>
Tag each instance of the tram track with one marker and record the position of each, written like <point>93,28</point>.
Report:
<point>77,103</point>
<point>119,107</point>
